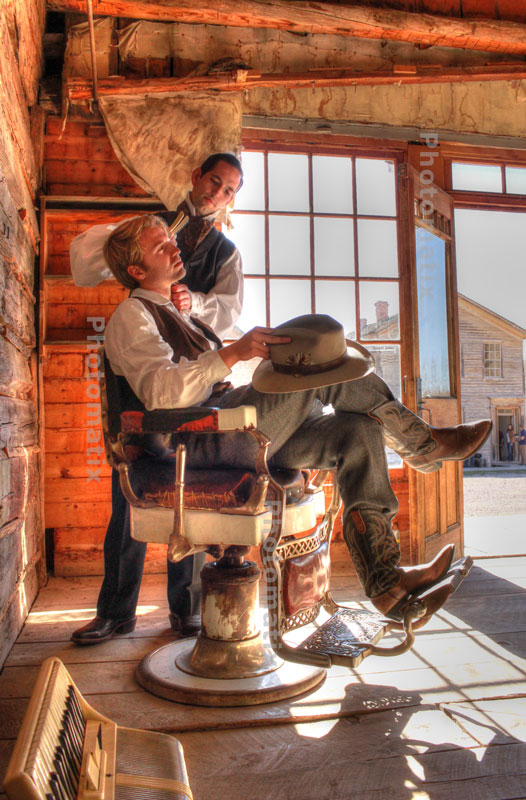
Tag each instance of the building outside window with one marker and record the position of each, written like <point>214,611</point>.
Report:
<point>492,360</point>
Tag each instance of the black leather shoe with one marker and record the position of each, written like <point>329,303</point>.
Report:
<point>100,629</point>
<point>187,626</point>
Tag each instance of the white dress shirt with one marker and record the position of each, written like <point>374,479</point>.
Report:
<point>219,309</point>
<point>136,350</point>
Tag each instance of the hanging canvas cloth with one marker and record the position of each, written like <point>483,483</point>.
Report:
<point>161,139</point>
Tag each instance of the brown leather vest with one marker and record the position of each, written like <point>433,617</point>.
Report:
<point>182,337</point>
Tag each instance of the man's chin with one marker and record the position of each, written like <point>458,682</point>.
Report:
<point>179,273</point>
<point>205,207</point>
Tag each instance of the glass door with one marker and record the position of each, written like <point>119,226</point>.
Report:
<point>432,380</point>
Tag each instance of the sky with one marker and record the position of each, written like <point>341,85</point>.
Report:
<point>491,260</point>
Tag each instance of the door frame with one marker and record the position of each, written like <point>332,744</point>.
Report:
<point>435,499</point>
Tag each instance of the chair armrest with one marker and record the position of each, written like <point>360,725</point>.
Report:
<point>197,419</point>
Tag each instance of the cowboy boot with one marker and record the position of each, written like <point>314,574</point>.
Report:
<point>375,555</point>
<point>423,447</point>
<point>412,580</point>
<point>373,548</point>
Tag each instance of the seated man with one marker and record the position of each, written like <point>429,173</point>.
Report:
<point>167,362</point>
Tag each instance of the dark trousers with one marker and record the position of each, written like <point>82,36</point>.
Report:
<point>124,563</point>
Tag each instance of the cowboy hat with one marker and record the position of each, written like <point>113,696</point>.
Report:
<point>317,355</point>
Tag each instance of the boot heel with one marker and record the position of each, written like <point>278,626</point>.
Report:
<point>127,626</point>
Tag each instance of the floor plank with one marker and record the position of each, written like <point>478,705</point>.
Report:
<point>401,754</point>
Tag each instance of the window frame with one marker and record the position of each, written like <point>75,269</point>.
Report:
<point>489,344</point>
<point>330,145</point>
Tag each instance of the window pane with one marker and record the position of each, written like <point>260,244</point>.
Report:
<point>253,312</point>
<point>516,180</point>
<point>432,314</point>
<point>288,299</point>
<point>333,246</point>
<point>248,234</point>
<point>336,298</point>
<point>332,184</point>
<point>379,310</point>
<point>375,187</point>
<point>288,182</point>
<point>252,194</point>
<point>387,366</point>
<point>490,247</point>
<point>377,248</point>
<point>477,177</point>
<point>492,360</point>
<point>289,246</point>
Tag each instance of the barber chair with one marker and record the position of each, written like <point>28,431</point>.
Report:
<point>225,513</point>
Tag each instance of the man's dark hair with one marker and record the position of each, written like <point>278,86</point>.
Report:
<point>230,158</point>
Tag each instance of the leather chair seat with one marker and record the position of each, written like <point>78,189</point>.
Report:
<point>153,479</point>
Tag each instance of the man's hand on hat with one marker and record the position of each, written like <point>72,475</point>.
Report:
<point>181,297</point>
<point>253,344</point>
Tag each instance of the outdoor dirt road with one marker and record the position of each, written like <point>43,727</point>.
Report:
<point>489,493</point>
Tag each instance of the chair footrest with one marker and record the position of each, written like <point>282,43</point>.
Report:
<point>338,637</point>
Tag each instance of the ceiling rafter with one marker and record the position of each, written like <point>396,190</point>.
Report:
<point>490,35</point>
<point>241,79</point>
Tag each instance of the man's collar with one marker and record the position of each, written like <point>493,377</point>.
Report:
<point>193,212</point>
<point>155,297</point>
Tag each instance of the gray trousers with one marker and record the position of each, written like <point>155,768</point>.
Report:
<point>350,440</point>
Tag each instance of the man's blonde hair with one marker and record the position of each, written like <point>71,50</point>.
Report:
<point>122,248</point>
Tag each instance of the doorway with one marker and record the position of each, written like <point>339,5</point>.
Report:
<point>505,417</point>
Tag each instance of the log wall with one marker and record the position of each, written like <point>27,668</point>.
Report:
<point>22,565</point>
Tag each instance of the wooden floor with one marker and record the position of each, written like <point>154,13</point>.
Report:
<point>447,720</point>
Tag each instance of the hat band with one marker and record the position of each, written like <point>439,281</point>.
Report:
<point>297,370</point>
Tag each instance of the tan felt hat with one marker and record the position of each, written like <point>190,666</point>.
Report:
<point>317,355</point>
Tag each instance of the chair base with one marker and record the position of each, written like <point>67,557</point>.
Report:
<point>160,674</point>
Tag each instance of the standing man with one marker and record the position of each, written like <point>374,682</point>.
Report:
<point>212,294</point>
<point>522,444</point>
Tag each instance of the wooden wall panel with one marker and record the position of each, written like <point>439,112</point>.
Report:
<point>79,161</point>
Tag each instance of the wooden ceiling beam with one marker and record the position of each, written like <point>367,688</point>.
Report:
<point>240,80</point>
<point>307,17</point>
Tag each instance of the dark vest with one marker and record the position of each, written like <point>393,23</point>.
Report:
<point>182,338</point>
<point>203,263</point>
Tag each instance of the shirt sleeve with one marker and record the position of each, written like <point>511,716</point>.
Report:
<point>221,307</point>
<point>136,350</point>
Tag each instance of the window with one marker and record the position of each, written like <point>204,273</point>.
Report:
<point>496,178</point>
<point>492,360</point>
<point>318,234</point>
